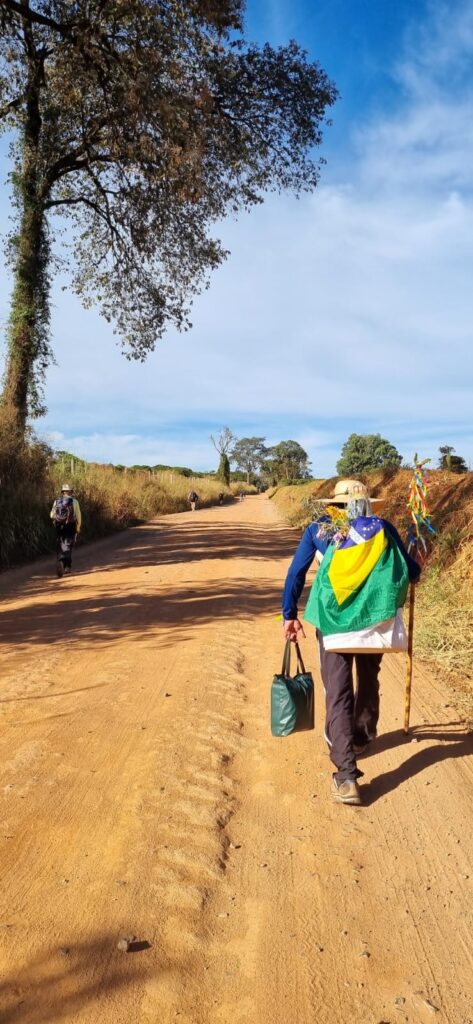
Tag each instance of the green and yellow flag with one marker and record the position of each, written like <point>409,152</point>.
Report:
<point>360,582</point>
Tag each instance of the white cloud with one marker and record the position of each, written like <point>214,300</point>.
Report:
<point>326,307</point>
<point>130,449</point>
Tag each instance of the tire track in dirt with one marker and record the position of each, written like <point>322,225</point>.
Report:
<point>174,797</point>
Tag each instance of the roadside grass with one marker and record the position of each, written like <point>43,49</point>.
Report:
<point>110,499</point>
<point>444,598</point>
<point>444,620</point>
<point>24,527</point>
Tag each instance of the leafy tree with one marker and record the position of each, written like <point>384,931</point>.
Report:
<point>248,454</point>
<point>288,461</point>
<point>362,452</point>
<point>138,124</point>
<point>223,471</point>
<point>454,463</point>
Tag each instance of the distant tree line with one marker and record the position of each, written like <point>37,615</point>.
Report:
<point>260,464</point>
<point>255,462</point>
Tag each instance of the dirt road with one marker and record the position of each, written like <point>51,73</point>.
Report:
<point>142,794</point>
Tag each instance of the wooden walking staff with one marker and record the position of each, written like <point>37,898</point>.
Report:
<point>410,636</point>
<point>416,545</point>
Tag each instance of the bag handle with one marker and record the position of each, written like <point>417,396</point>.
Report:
<point>286,661</point>
<point>300,663</point>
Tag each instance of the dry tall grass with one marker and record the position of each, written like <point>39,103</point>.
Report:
<point>24,528</point>
<point>110,499</point>
<point>445,599</point>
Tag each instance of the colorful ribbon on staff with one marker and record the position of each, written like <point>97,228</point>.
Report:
<point>417,506</point>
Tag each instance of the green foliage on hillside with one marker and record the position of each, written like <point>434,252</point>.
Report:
<point>362,453</point>
<point>453,463</point>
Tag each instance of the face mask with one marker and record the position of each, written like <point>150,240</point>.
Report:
<point>359,507</point>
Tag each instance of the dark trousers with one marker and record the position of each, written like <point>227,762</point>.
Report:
<point>65,537</point>
<point>350,717</point>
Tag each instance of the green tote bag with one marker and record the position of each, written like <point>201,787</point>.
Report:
<point>292,697</point>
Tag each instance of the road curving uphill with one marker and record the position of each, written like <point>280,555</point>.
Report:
<point>165,859</point>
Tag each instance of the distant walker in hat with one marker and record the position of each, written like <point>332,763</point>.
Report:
<point>355,604</point>
<point>67,518</point>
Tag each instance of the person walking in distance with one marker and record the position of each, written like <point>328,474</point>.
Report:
<point>193,498</point>
<point>355,604</point>
<point>66,516</point>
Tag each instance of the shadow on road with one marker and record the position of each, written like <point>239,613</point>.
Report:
<point>452,741</point>
<point>163,542</point>
<point>134,611</point>
<point>136,616</point>
<point>60,984</point>
<point>174,543</point>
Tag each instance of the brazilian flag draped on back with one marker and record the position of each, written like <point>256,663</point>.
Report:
<point>360,582</point>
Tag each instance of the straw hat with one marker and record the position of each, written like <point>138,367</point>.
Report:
<point>350,490</point>
<point>66,487</point>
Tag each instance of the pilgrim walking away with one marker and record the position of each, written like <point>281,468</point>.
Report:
<point>355,604</point>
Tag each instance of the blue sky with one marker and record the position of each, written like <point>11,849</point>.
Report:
<point>349,310</point>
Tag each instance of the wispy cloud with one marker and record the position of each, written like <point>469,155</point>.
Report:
<point>428,143</point>
<point>130,449</point>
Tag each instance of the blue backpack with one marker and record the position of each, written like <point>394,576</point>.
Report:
<point>64,511</point>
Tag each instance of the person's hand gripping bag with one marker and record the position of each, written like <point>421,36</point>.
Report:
<point>292,697</point>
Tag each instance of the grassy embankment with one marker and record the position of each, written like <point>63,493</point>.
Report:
<point>110,499</point>
<point>444,599</point>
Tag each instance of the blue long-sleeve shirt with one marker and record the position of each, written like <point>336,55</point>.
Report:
<point>305,553</point>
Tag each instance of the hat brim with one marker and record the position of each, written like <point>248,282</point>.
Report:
<point>343,499</point>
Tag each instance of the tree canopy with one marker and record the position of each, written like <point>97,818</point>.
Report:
<point>248,454</point>
<point>287,461</point>
<point>139,124</point>
<point>454,463</point>
<point>362,452</point>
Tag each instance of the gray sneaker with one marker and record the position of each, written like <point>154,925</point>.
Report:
<point>347,792</point>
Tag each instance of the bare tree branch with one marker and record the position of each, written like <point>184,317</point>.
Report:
<point>28,14</point>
